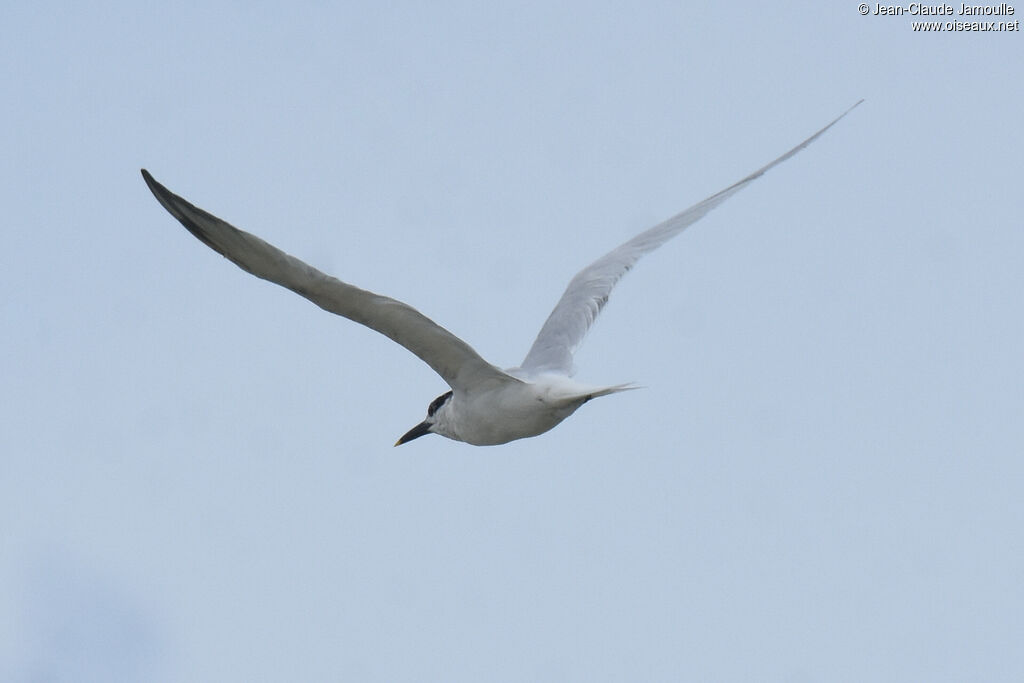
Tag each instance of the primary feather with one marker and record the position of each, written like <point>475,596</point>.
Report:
<point>450,357</point>
<point>588,291</point>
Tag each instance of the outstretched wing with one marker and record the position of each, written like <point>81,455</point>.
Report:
<point>450,357</point>
<point>588,291</point>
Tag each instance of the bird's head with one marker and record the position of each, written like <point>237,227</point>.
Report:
<point>434,411</point>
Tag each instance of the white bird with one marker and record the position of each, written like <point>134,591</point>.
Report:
<point>486,405</point>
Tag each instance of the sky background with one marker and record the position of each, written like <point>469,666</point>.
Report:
<point>821,481</point>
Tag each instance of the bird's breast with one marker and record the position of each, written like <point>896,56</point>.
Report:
<point>513,411</point>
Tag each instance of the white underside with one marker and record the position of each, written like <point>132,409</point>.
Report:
<point>515,410</point>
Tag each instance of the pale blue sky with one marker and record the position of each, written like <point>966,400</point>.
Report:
<point>821,481</point>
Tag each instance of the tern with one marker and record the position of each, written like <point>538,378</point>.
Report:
<point>486,405</point>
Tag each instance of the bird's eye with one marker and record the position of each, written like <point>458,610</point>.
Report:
<point>437,403</point>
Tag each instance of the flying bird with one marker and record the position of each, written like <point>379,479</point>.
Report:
<point>486,405</point>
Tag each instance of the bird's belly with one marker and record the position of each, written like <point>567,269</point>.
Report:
<point>509,415</point>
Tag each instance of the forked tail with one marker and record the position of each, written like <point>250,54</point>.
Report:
<point>605,391</point>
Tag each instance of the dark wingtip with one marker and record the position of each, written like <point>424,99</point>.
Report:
<point>182,210</point>
<point>163,195</point>
<point>153,185</point>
